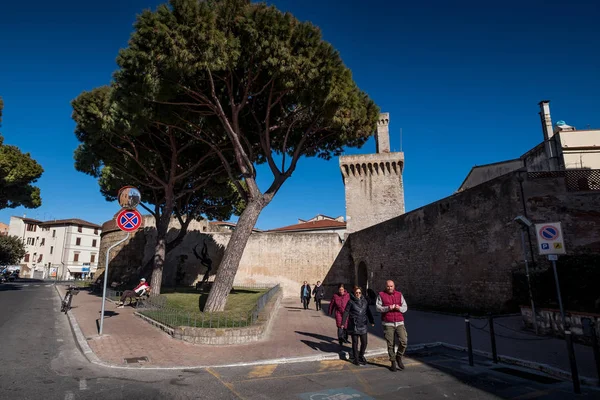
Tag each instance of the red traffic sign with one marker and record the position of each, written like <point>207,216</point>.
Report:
<point>129,220</point>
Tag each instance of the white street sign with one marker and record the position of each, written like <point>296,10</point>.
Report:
<point>550,238</point>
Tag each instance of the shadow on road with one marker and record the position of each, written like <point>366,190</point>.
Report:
<point>4,287</point>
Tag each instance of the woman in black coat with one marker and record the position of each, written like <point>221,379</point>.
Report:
<point>358,315</point>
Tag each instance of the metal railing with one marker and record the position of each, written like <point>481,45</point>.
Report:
<point>576,180</point>
<point>155,307</point>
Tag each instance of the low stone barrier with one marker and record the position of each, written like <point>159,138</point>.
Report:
<point>225,336</point>
<point>549,321</point>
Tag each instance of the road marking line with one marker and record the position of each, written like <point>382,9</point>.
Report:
<point>59,340</point>
<point>69,396</point>
<point>366,385</point>
<point>25,285</point>
<point>334,371</point>
<point>82,384</point>
<point>226,384</point>
<point>332,365</point>
<point>261,371</point>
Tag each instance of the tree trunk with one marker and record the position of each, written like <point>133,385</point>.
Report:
<point>232,256</point>
<point>159,262</point>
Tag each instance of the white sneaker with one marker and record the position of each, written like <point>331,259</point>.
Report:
<point>121,306</point>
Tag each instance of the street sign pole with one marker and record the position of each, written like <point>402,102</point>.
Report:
<point>533,313</point>
<point>568,338</point>
<point>106,280</point>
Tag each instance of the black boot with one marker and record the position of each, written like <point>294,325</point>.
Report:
<point>362,360</point>
<point>399,362</point>
<point>355,361</point>
<point>393,367</point>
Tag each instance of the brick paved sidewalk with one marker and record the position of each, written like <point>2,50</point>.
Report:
<point>300,333</point>
<point>295,333</point>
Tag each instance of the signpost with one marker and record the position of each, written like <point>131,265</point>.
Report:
<point>551,243</point>
<point>128,220</point>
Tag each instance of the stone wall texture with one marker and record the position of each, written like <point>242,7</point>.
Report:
<point>269,258</point>
<point>460,252</point>
<point>373,187</point>
<point>456,253</point>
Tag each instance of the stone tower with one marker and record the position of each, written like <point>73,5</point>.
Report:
<point>373,182</point>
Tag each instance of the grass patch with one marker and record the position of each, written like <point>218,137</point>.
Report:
<point>183,307</point>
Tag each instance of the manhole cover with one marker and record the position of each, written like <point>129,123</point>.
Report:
<point>526,375</point>
<point>136,360</point>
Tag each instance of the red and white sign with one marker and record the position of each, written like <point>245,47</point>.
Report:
<point>129,220</point>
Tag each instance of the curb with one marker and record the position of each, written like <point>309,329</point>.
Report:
<point>545,368</point>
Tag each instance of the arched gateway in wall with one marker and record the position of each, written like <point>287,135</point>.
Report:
<point>362,276</point>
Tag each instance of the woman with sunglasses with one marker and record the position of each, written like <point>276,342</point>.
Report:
<point>358,315</point>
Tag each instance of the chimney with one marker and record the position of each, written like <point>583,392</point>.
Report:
<point>546,120</point>
<point>549,141</point>
<point>382,137</point>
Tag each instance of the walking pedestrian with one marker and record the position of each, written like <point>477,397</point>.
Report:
<point>358,314</point>
<point>305,295</point>
<point>338,305</point>
<point>318,294</point>
<point>392,306</point>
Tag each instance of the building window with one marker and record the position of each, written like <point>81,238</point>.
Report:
<point>95,231</point>
<point>51,249</point>
<point>43,242</point>
<point>93,258</point>
<point>26,258</point>
<point>53,232</point>
<point>30,241</point>
<point>78,242</point>
<point>94,243</point>
<point>79,228</point>
<point>31,227</point>
<point>40,258</point>
<point>76,257</point>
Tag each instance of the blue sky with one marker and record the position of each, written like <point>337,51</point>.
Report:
<point>462,79</point>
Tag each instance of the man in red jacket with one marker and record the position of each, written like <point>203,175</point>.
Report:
<point>141,289</point>
<point>392,306</point>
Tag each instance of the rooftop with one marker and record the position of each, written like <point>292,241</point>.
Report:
<point>54,222</point>
<point>312,225</point>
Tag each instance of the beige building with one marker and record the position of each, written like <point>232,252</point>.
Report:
<point>373,182</point>
<point>564,148</point>
<point>61,249</point>
<point>3,229</point>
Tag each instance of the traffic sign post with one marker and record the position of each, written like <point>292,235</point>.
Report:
<point>551,243</point>
<point>128,220</point>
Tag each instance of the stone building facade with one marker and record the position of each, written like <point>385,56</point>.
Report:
<point>373,182</point>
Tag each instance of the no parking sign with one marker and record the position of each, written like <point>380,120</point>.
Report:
<point>550,238</point>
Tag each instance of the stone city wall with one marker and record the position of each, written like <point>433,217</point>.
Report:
<point>459,252</point>
<point>269,258</point>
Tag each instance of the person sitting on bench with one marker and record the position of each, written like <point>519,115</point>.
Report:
<point>138,291</point>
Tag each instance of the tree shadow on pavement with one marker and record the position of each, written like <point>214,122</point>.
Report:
<point>317,336</point>
<point>326,347</point>
<point>6,287</point>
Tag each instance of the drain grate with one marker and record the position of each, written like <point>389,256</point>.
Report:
<point>136,360</point>
<point>526,375</point>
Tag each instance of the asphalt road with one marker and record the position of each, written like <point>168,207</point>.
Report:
<point>40,360</point>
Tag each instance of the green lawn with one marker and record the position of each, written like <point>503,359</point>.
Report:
<point>183,309</point>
